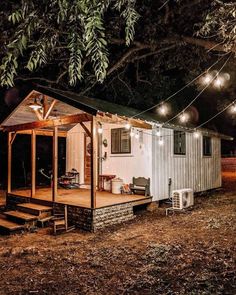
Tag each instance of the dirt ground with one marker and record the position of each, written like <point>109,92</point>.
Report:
<point>190,253</point>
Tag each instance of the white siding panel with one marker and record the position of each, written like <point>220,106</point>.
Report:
<point>189,171</point>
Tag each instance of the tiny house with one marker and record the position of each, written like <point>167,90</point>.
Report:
<point>105,141</point>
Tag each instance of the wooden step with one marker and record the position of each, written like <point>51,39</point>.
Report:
<point>59,222</point>
<point>35,209</point>
<point>7,226</point>
<point>20,217</point>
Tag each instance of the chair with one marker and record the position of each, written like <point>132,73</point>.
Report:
<point>60,223</point>
<point>140,185</point>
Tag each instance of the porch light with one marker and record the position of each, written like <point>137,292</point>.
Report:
<point>35,105</point>
<point>137,135</point>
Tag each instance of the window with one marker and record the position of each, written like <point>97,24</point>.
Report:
<point>206,144</point>
<point>179,143</point>
<point>120,141</point>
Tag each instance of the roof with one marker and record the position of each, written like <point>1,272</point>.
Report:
<point>93,106</point>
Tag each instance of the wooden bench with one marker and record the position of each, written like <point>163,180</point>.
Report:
<point>140,185</point>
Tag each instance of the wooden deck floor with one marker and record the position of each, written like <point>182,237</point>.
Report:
<point>81,197</point>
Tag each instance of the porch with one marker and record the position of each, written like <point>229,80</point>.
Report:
<point>82,197</point>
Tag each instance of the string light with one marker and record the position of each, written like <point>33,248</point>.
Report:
<point>184,117</point>
<point>158,132</point>
<point>207,79</point>
<point>161,141</point>
<point>196,134</point>
<point>219,82</point>
<point>163,110</point>
<point>137,135</point>
<point>100,130</point>
<point>131,133</point>
<point>233,108</point>
<point>127,126</point>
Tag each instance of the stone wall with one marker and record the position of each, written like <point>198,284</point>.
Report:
<point>78,216</point>
<point>111,215</point>
<point>83,218</point>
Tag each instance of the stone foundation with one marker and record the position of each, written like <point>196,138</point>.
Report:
<point>112,215</point>
<point>83,218</point>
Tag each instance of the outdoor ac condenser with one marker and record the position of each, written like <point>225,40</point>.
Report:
<point>182,198</point>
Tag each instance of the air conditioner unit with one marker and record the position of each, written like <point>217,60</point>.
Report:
<point>182,198</point>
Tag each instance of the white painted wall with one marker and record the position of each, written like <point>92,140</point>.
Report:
<point>75,149</point>
<point>192,170</point>
<point>149,159</point>
<point>126,166</point>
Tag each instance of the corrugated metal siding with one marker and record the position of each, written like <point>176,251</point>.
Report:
<point>192,170</point>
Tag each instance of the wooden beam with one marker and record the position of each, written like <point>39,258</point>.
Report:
<point>50,109</point>
<point>13,138</point>
<point>38,115</point>
<point>9,159</point>
<point>86,129</point>
<point>93,162</point>
<point>33,163</point>
<point>114,119</point>
<point>43,132</point>
<point>65,120</point>
<point>55,163</point>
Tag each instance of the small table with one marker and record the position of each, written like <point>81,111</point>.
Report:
<point>102,179</point>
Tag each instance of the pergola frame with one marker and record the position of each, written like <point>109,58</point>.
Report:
<point>50,127</point>
<point>32,128</point>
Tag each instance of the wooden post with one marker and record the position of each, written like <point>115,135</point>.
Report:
<point>33,162</point>
<point>9,159</point>
<point>93,162</point>
<point>55,163</point>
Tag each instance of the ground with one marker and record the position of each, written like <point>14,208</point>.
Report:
<point>190,253</point>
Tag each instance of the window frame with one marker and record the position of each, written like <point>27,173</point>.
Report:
<point>120,129</point>
<point>176,153</point>
<point>203,146</point>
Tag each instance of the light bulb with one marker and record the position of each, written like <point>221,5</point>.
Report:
<point>196,134</point>
<point>100,130</point>
<point>158,133</point>
<point>131,133</point>
<point>161,141</point>
<point>127,126</point>
<point>233,108</point>
<point>163,110</point>
<point>219,82</point>
<point>207,79</point>
<point>137,135</point>
<point>184,117</point>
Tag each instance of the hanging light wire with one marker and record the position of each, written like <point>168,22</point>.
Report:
<point>195,98</point>
<point>181,89</point>
<point>216,115</point>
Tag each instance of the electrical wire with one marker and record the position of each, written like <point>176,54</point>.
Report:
<point>195,98</point>
<point>178,91</point>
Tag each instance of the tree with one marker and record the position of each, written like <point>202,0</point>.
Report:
<point>86,42</point>
<point>69,32</point>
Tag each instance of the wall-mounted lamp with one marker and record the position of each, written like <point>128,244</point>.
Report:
<point>35,105</point>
